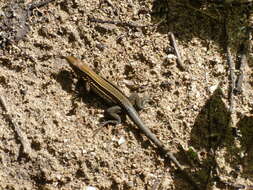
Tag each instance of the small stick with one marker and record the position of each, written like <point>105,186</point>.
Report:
<point>232,78</point>
<point>120,23</point>
<point>174,44</point>
<point>21,136</point>
<point>243,63</point>
<point>237,186</point>
<point>231,65</point>
<point>34,5</point>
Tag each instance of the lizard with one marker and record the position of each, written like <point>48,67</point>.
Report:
<point>112,95</point>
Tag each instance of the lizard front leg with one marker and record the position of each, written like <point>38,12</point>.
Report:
<point>115,114</point>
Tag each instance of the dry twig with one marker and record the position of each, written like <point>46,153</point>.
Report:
<point>231,68</point>
<point>34,5</point>
<point>21,136</point>
<point>174,44</point>
<point>120,23</point>
<point>237,186</point>
<point>231,65</point>
<point>243,63</point>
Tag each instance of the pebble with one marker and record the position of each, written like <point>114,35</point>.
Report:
<point>121,141</point>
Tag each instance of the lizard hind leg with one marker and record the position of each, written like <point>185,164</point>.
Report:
<point>115,114</point>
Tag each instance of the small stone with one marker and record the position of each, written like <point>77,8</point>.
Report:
<point>90,188</point>
<point>121,141</point>
<point>213,88</point>
<point>84,151</point>
<point>195,107</point>
<point>170,56</point>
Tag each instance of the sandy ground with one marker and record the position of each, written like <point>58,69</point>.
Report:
<point>187,110</point>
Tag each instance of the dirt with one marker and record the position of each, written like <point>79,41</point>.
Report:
<point>187,110</point>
